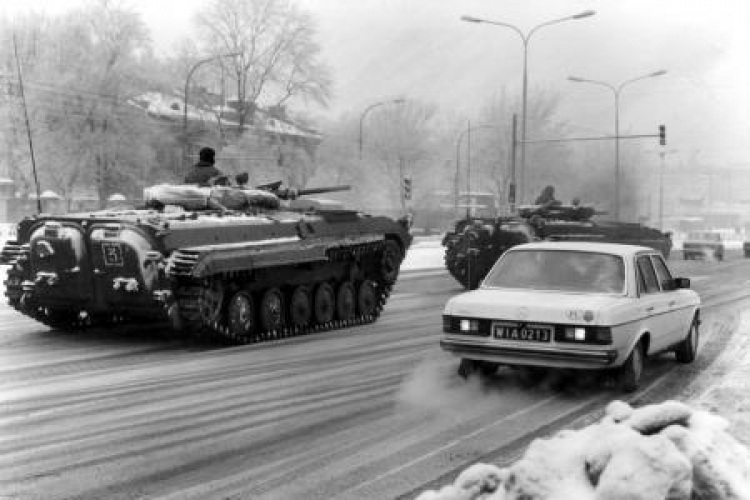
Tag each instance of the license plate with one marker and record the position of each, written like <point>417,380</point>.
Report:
<point>530,333</point>
<point>112,254</point>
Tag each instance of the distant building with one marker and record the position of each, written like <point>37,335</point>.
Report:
<point>267,136</point>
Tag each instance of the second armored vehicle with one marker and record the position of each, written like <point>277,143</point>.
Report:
<point>476,243</point>
<point>243,264</point>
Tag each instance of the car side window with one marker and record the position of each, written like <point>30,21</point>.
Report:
<point>650,282</point>
<point>662,272</point>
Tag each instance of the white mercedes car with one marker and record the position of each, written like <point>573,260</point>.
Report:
<point>578,305</point>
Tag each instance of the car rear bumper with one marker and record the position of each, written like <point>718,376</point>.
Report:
<point>556,357</point>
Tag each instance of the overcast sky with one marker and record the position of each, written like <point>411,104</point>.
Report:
<point>420,49</point>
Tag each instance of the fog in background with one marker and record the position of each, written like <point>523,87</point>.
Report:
<point>422,51</point>
<point>381,48</point>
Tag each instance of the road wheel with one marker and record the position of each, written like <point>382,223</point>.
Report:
<point>346,302</point>
<point>60,318</point>
<point>685,255</point>
<point>631,372</point>
<point>300,308</point>
<point>367,298</point>
<point>324,304</point>
<point>390,262</point>
<point>211,302</point>
<point>272,310</point>
<point>687,350</point>
<point>241,314</point>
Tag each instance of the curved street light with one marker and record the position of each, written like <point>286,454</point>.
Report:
<point>369,108</point>
<point>192,70</point>
<point>525,37</point>
<point>616,90</point>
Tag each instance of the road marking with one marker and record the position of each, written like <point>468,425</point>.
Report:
<point>455,442</point>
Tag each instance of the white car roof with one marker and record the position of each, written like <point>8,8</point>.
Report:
<point>586,246</point>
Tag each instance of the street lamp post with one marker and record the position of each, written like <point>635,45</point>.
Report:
<point>192,70</point>
<point>466,132</point>
<point>367,110</point>
<point>525,37</point>
<point>616,91</point>
<point>662,154</point>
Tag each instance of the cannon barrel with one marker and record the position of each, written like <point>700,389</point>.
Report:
<point>290,194</point>
<point>328,189</point>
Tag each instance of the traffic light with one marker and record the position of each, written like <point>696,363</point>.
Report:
<point>407,188</point>
<point>663,135</point>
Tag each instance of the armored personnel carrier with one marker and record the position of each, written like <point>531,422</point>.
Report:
<point>472,248</point>
<point>246,265</point>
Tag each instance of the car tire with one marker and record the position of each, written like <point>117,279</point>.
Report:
<point>488,369</point>
<point>631,372</point>
<point>686,256</point>
<point>466,367</point>
<point>687,350</point>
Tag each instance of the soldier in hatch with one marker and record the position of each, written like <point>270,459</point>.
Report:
<point>204,170</point>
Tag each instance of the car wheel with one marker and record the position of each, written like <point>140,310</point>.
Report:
<point>466,367</point>
<point>631,371</point>
<point>686,351</point>
<point>686,256</point>
<point>488,369</point>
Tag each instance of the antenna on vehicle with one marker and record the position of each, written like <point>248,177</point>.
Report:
<point>28,128</point>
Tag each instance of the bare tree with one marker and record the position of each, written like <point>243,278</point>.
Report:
<point>279,57</point>
<point>401,141</point>
<point>82,73</point>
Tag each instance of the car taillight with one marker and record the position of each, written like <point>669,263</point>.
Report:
<point>601,334</point>
<point>585,334</point>
<point>575,333</point>
<point>466,326</point>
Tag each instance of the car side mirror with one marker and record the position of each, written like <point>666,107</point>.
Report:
<point>681,283</point>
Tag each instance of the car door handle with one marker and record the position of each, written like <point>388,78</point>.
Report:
<point>672,303</point>
<point>650,309</point>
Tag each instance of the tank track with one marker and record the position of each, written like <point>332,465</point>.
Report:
<point>460,256</point>
<point>191,298</point>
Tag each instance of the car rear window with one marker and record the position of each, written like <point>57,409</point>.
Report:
<point>559,270</point>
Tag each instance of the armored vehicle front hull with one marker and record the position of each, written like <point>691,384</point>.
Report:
<point>475,245</point>
<point>245,277</point>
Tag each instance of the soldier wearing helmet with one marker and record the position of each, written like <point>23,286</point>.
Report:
<point>203,171</point>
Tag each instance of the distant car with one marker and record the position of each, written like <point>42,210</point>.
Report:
<point>579,305</point>
<point>702,244</point>
<point>746,248</point>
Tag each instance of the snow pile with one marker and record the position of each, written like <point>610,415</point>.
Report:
<point>665,451</point>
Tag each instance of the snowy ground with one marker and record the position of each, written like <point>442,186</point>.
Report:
<point>425,252</point>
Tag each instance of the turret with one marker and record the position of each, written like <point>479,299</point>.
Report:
<point>557,212</point>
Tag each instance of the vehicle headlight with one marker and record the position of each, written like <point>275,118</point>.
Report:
<point>44,249</point>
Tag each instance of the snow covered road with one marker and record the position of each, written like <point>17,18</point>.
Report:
<point>372,412</point>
